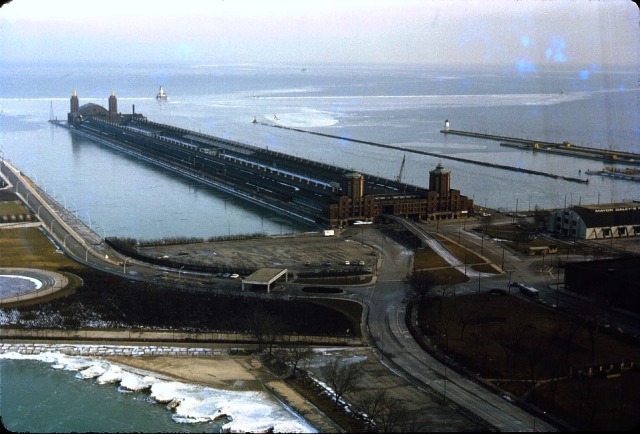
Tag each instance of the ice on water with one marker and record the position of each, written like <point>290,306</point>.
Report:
<point>190,403</point>
<point>136,383</point>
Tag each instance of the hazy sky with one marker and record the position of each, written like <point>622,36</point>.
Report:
<point>525,34</point>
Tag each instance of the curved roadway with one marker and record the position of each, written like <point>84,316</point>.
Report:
<point>390,335</point>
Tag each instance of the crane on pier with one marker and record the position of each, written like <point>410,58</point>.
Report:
<point>399,177</point>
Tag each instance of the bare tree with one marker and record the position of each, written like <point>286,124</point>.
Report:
<point>592,329</point>
<point>512,338</point>
<point>294,356</point>
<point>421,282</point>
<point>443,330</point>
<point>265,328</point>
<point>395,417</point>
<point>342,378</point>
<point>371,404</point>
<point>572,330</point>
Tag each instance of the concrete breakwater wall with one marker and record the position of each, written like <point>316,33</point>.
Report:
<point>175,338</point>
<point>437,155</point>
<point>110,350</point>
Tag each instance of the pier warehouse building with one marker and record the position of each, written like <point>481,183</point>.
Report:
<point>594,222</point>
<point>302,189</point>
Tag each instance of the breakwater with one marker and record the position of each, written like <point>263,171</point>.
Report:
<point>146,337</point>
<point>433,154</point>
<point>565,148</point>
<point>111,350</point>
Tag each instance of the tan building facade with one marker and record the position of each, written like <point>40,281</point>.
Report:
<point>440,201</point>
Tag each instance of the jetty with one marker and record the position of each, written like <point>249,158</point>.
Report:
<point>433,154</point>
<point>565,148</point>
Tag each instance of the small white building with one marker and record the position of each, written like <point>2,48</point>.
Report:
<point>596,222</point>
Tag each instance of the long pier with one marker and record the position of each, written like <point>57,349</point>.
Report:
<point>564,148</point>
<point>433,154</point>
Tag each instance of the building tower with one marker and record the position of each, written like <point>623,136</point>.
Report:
<point>113,106</point>
<point>446,125</point>
<point>440,181</point>
<point>75,104</point>
<point>353,186</point>
<point>74,110</point>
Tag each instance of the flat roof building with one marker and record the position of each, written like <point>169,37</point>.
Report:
<point>594,222</point>
<point>310,190</point>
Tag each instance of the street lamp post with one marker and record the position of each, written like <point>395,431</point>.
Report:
<point>180,271</point>
<point>465,262</point>
<point>124,266</point>
<point>444,391</point>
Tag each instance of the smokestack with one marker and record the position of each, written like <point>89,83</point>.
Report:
<point>133,107</point>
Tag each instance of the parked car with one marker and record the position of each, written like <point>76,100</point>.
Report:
<point>234,276</point>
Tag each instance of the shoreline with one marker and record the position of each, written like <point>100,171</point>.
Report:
<point>235,373</point>
<point>207,367</point>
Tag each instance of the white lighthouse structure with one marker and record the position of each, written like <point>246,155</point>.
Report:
<point>446,125</point>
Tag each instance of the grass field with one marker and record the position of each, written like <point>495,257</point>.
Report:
<point>531,351</point>
<point>30,248</point>
<point>12,208</point>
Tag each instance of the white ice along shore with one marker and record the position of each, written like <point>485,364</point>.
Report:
<point>255,411</point>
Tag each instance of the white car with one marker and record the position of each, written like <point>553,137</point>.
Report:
<point>234,276</point>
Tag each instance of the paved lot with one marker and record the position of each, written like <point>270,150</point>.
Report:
<point>299,252</point>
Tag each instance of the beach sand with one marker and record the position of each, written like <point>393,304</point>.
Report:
<point>242,373</point>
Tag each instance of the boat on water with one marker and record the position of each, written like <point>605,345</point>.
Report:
<point>630,174</point>
<point>161,95</point>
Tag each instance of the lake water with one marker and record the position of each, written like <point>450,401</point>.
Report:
<point>51,392</point>
<point>121,196</point>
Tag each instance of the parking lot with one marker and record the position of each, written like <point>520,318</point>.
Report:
<point>296,252</point>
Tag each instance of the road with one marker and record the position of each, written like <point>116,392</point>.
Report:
<point>391,336</point>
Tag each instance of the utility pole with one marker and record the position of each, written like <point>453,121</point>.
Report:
<point>444,392</point>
